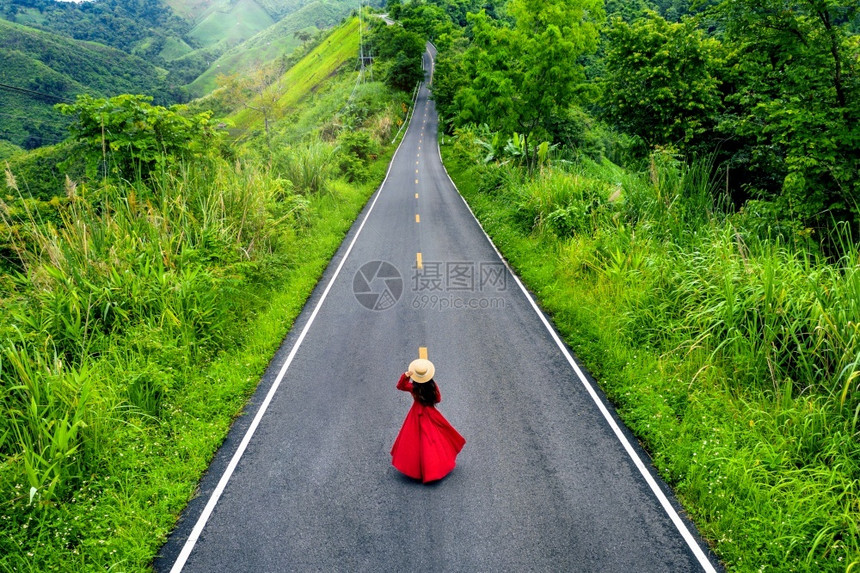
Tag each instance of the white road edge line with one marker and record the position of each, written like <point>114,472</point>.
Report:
<point>637,461</point>
<point>249,433</point>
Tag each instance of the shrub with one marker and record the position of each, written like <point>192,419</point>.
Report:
<point>309,167</point>
<point>354,150</point>
<point>125,136</point>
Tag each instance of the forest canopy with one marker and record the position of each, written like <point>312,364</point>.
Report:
<point>769,89</point>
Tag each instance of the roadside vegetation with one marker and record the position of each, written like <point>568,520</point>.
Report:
<point>151,265</point>
<point>731,356</point>
<point>678,184</point>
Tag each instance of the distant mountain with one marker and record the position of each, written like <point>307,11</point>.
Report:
<point>230,22</point>
<point>305,78</point>
<point>197,10</point>
<point>47,68</point>
<point>139,27</point>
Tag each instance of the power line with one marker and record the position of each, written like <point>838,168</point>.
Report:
<point>25,91</point>
<point>23,116</point>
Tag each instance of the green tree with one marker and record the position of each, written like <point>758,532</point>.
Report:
<point>521,76</point>
<point>260,90</point>
<point>401,52</point>
<point>125,136</point>
<point>427,20</point>
<point>795,101</point>
<point>661,80</point>
<point>449,78</point>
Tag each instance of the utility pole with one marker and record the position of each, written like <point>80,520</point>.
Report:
<point>360,42</point>
<point>365,57</point>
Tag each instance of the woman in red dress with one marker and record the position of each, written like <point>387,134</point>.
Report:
<point>427,446</point>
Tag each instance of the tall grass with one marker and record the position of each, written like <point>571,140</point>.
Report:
<point>773,316</point>
<point>767,311</point>
<point>155,264</point>
<point>732,354</point>
<point>308,166</point>
<point>44,417</point>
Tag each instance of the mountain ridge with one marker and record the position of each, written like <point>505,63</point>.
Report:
<point>61,68</point>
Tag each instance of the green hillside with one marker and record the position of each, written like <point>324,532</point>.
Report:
<point>339,49</point>
<point>7,150</point>
<point>271,43</point>
<point>279,8</point>
<point>230,22</point>
<point>60,68</point>
<point>141,27</point>
<point>174,48</point>
<point>196,10</point>
<point>187,277</point>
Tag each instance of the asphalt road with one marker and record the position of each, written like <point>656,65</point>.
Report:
<point>543,484</point>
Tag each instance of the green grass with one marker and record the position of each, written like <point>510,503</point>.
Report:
<point>30,17</point>
<point>731,358</point>
<point>174,48</point>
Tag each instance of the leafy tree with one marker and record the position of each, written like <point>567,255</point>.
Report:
<point>126,136</point>
<point>401,51</point>
<point>355,148</point>
<point>259,90</point>
<point>429,21</point>
<point>795,101</point>
<point>393,7</point>
<point>449,78</point>
<point>662,80</point>
<point>520,76</point>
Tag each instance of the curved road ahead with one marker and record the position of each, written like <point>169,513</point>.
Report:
<point>548,479</point>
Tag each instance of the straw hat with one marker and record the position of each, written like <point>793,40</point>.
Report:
<point>422,370</point>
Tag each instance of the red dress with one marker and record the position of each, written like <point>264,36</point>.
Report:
<point>427,446</point>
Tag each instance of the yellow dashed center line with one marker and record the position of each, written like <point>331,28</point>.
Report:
<point>416,195</point>
<point>422,352</point>
<point>418,263</point>
<point>417,218</point>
